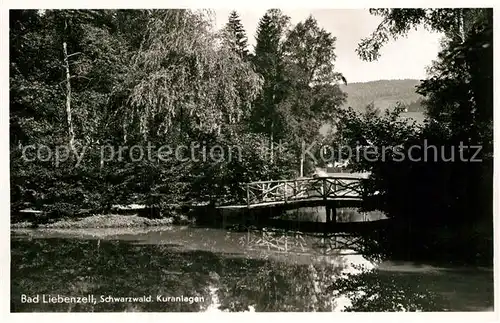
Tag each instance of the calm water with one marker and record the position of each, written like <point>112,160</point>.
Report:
<point>230,271</point>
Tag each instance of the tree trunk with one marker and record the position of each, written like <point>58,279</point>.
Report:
<point>461,25</point>
<point>272,142</point>
<point>301,165</point>
<point>301,161</point>
<point>272,125</point>
<point>71,132</point>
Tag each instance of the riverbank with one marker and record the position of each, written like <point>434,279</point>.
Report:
<point>104,221</point>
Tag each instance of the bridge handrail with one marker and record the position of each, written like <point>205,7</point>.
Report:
<point>342,176</point>
<point>285,190</point>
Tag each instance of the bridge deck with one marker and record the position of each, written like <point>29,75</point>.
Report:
<point>305,202</point>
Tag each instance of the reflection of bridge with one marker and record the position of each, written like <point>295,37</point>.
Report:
<point>327,191</point>
<point>297,242</point>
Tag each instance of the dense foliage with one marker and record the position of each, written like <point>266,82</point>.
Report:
<point>443,173</point>
<point>130,84</point>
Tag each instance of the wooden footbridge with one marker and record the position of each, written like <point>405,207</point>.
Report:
<point>327,191</point>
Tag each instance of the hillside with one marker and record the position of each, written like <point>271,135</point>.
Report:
<point>384,94</point>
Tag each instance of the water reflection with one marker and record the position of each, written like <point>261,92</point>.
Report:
<point>231,271</point>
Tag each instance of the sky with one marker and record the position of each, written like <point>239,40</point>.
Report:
<point>404,58</point>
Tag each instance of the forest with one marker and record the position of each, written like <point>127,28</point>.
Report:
<point>84,79</point>
<point>90,78</point>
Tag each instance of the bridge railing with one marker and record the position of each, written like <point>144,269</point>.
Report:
<point>284,191</point>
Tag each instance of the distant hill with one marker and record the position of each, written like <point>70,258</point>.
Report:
<point>384,94</point>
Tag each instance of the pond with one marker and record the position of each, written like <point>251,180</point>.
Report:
<point>181,268</point>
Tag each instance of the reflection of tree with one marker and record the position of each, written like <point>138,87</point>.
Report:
<point>275,285</point>
<point>266,279</point>
<point>376,291</point>
<point>76,268</point>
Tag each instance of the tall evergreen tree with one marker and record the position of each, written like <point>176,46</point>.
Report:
<point>236,35</point>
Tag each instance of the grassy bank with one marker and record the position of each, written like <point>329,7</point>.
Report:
<point>103,221</point>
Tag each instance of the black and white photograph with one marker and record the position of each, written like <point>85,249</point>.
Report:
<point>250,159</point>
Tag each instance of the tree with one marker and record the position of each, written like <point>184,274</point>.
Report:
<point>458,98</point>
<point>180,81</point>
<point>96,57</point>
<point>313,93</point>
<point>236,36</point>
<point>142,76</point>
<point>454,23</point>
<point>268,62</point>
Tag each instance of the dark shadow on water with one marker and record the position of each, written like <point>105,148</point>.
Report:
<point>393,239</point>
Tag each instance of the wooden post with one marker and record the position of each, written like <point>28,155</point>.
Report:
<point>248,196</point>
<point>284,190</point>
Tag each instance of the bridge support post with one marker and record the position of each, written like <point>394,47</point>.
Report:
<point>334,212</point>
<point>248,195</point>
<point>331,212</point>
